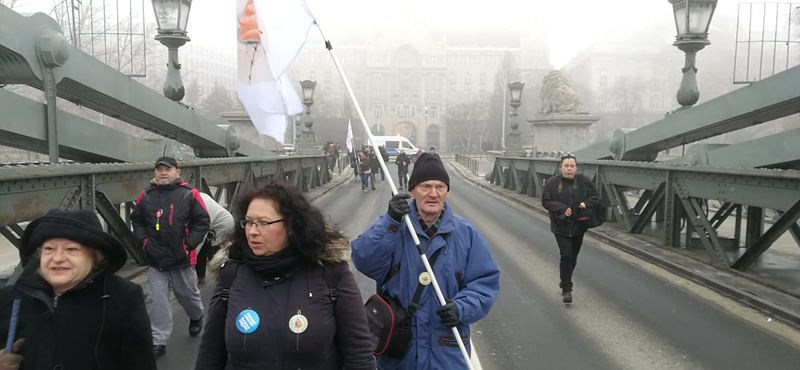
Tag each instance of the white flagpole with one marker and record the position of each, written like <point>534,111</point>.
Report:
<point>407,219</point>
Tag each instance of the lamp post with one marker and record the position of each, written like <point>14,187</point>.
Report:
<point>172,17</point>
<point>514,142</point>
<point>692,19</point>
<point>308,143</point>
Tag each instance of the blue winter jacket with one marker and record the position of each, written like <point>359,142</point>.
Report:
<point>465,270</point>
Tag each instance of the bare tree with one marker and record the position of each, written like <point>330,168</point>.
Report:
<point>468,126</point>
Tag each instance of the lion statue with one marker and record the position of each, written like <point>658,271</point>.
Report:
<point>557,96</point>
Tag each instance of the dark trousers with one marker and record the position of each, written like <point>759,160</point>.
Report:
<point>206,254</point>
<point>403,179</point>
<point>569,247</point>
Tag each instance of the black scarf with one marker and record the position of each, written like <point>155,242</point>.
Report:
<point>274,265</point>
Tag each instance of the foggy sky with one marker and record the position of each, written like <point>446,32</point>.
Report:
<point>572,25</point>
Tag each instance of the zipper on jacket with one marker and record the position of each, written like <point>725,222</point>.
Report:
<point>55,302</point>
<point>297,347</point>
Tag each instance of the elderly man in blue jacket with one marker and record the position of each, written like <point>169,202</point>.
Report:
<point>464,268</point>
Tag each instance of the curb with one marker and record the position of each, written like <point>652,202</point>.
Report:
<point>751,300</point>
<point>337,182</point>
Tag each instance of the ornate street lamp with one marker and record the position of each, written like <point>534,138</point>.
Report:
<point>308,143</point>
<point>172,17</point>
<point>692,20</point>
<point>514,142</point>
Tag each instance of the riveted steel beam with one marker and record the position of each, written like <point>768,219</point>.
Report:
<point>759,102</point>
<point>24,126</point>
<point>85,80</point>
<point>774,151</point>
<point>789,218</point>
<point>28,191</point>
<point>654,202</point>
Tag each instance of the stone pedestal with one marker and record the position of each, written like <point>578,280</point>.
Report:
<point>514,145</point>
<point>308,144</point>
<point>563,132</point>
<point>244,127</point>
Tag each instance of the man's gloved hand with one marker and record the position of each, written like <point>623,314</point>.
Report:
<point>449,314</point>
<point>212,236</point>
<point>399,207</point>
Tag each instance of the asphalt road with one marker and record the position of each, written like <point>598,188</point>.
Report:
<point>627,314</point>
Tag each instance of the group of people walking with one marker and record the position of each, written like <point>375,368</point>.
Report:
<point>284,295</point>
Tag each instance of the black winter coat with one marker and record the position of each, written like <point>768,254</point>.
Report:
<point>402,162</point>
<point>559,194</point>
<point>337,336</point>
<point>65,330</point>
<point>182,226</point>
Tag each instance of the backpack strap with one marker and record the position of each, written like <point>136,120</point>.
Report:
<point>332,274</point>
<point>226,277</point>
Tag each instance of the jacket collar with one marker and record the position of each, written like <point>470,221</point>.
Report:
<point>33,284</point>
<point>446,224</point>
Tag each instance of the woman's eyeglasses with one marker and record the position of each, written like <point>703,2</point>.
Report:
<point>263,225</point>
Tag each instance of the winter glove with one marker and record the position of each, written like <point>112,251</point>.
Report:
<point>212,236</point>
<point>399,207</point>
<point>449,314</point>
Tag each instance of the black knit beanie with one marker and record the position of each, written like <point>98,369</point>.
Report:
<point>79,226</point>
<point>428,167</point>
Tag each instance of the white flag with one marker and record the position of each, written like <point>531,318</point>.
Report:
<point>270,32</point>
<point>349,137</point>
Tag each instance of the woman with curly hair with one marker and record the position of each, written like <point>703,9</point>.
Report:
<point>286,298</point>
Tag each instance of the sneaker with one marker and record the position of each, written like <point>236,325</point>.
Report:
<point>159,350</point>
<point>567,297</point>
<point>195,327</point>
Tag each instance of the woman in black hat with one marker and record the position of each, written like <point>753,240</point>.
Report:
<point>72,311</point>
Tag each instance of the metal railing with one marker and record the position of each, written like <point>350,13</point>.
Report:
<point>28,192</point>
<point>471,161</point>
<point>674,202</point>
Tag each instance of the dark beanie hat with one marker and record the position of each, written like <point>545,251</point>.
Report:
<point>79,226</point>
<point>428,167</point>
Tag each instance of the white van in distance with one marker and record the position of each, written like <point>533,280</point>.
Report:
<point>393,145</point>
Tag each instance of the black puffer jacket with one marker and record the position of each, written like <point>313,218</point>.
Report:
<point>337,335</point>
<point>100,324</point>
<point>560,193</point>
<point>182,225</point>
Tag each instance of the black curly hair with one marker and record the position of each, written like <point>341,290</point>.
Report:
<point>305,224</point>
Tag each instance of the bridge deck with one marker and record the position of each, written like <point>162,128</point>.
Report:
<point>627,313</point>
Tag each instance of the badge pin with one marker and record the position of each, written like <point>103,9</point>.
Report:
<point>298,324</point>
<point>247,321</point>
<point>424,278</point>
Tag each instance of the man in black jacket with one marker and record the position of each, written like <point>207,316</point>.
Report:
<point>169,222</point>
<point>564,196</point>
<point>402,162</point>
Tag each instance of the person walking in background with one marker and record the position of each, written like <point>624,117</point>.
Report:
<point>385,155</point>
<point>365,169</point>
<point>74,312</point>
<point>433,153</point>
<point>564,196</point>
<point>221,228</point>
<point>170,221</point>
<point>402,161</point>
<point>284,266</point>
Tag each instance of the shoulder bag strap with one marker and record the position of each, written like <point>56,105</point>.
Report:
<point>414,305</point>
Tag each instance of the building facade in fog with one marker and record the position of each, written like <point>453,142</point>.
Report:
<point>209,68</point>
<point>406,79</point>
<point>628,83</point>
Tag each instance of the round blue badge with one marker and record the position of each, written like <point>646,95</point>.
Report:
<point>247,321</point>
